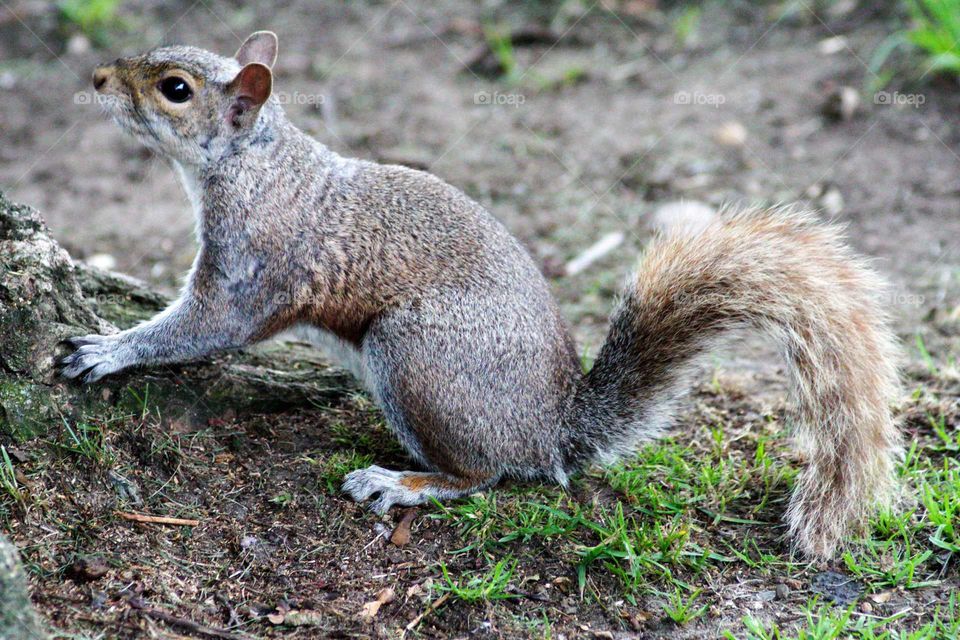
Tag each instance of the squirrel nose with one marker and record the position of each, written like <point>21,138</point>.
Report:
<point>100,77</point>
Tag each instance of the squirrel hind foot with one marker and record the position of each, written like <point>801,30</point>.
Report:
<point>408,488</point>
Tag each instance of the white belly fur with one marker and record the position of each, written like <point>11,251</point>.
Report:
<point>340,352</point>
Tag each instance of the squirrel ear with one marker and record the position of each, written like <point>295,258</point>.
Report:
<point>260,46</point>
<point>250,89</point>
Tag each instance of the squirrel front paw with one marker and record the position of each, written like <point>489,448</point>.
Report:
<point>94,357</point>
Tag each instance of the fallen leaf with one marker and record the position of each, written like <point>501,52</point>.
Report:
<point>279,615</point>
<point>401,535</point>
<point>370,609</point>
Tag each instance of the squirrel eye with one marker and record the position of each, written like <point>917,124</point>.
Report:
<point>175,89</point>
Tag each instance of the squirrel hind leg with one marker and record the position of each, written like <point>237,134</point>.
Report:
<point>408,488</point>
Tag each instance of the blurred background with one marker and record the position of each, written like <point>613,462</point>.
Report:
<point>580,124</point>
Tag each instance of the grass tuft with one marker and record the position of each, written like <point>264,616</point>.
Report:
<point>94,18</point>
<point>8,478</point>
<point>936,32</point>
<point>681,609</point>
<point>485,586</point>
<point>87,440</point>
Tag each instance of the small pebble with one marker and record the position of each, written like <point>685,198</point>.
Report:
<point>831,46</point>
<point>832,202</point>
<point>731,134</point>
<point>78,44</point>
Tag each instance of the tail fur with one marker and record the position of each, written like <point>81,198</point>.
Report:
<point>780,271</point>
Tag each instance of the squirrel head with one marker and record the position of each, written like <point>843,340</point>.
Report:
<point>189,104</point>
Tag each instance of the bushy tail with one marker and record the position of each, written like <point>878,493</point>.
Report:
<point>779,271</point>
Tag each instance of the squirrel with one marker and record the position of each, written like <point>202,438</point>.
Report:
<point>451,326</point>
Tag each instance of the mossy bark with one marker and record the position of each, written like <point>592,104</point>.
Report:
<point>45,297</point>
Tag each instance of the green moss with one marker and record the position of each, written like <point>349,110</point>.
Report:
<point>119,300</point>
<point>124,314</point>
<point>25,409</point>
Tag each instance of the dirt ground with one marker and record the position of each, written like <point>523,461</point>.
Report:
<point>591,135</point>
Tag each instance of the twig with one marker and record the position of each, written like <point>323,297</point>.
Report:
<point>139,517</point>
<point>459,26</point>
<point>483,59</point>
<point>436,604</point>
<point>190,625</point>
<point>536,597</point>
<point>183,623</point>
<point>594,252</point>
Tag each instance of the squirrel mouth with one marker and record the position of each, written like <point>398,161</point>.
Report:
<point>113,107</point>
<point>127,117</point>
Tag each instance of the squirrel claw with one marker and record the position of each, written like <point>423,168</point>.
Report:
<point>81,341</point>
<point>95,357</point>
